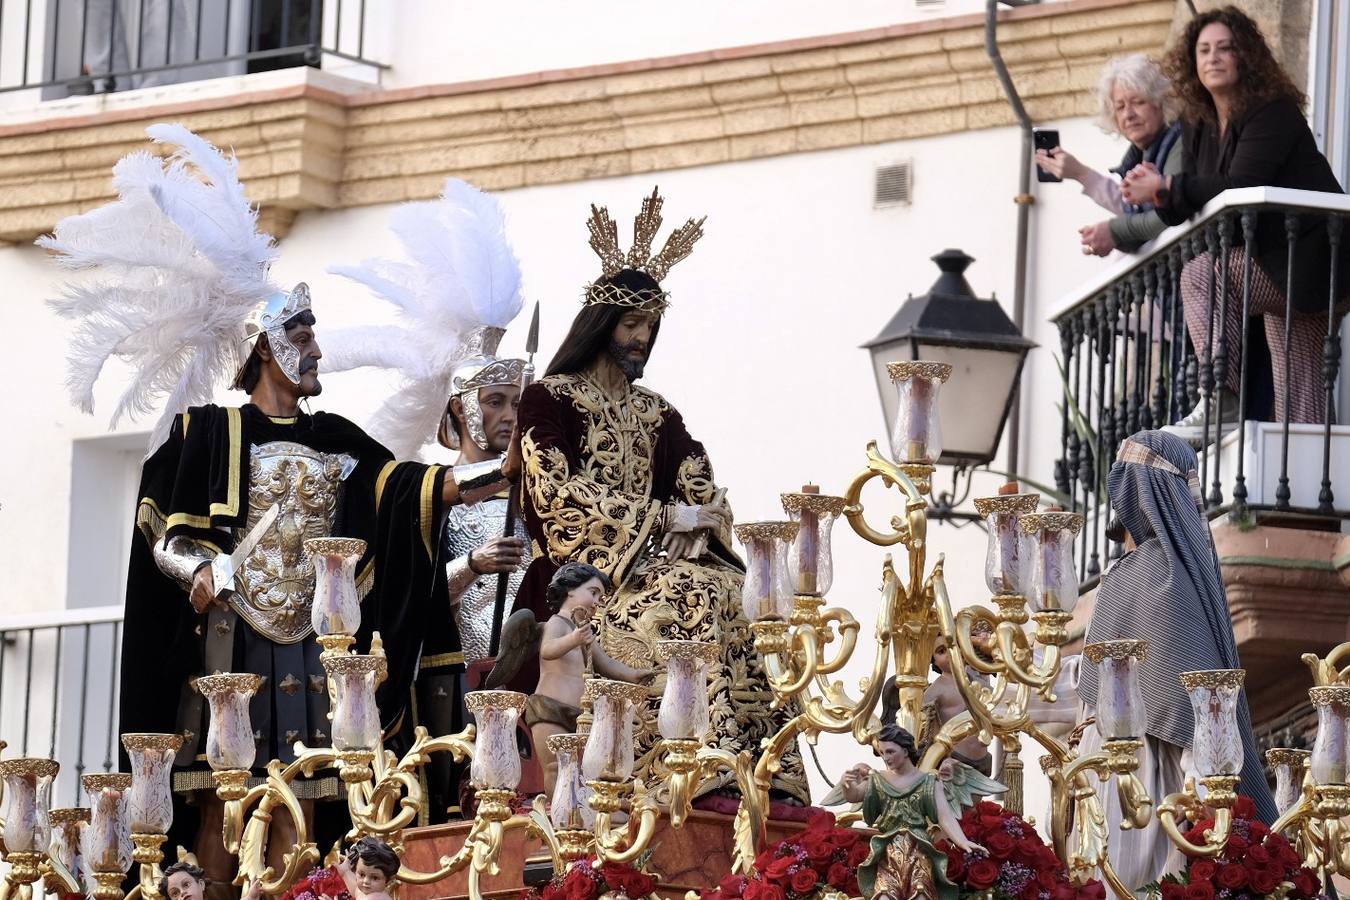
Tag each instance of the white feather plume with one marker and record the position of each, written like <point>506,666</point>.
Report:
<point>459,273</point>
<point>174,266</point>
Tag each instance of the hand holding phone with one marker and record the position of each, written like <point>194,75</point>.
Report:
<point>1046,139</point>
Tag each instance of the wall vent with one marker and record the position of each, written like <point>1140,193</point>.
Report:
<point>928,5</point>
<point>894,185</point>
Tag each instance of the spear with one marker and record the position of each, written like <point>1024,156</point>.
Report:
<point>513,497</point>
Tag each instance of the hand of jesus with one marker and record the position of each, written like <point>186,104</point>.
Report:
<point>679,544</point>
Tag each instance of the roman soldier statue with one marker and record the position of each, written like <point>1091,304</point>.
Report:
<point>184,297</point>
<point>455,293</point>
<point>613,478</point>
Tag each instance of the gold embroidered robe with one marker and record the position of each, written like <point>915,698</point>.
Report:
<point>601,476</point>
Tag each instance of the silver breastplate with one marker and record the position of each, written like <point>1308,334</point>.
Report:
<point>274,589</point>
<point>466,529</point>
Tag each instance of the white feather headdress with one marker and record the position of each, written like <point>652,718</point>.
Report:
<point>179,265</point>
<point>460,275</point>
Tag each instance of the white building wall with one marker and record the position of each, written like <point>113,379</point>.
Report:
<point>759,349</point>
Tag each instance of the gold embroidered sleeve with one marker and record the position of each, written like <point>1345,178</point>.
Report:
<point>695,486</point>
<point>583,520</point>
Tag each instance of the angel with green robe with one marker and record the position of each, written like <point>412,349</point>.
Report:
<point>905,805</point>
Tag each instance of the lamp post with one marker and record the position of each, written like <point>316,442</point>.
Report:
<point>950,325</point>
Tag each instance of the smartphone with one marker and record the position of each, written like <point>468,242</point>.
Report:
<point>1045,139</point>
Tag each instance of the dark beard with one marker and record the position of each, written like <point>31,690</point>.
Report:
<point>632,368</point>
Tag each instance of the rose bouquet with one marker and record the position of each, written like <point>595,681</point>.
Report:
<point>324,882</point>
<point>1255,863</point>
<point>821,859</point>
<point>1016,863</point>
<point>582,881</point>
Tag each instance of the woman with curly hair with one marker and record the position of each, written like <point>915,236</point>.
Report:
<point>1244,126</point>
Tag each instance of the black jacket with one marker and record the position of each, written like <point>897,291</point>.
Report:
<point>1273,146</point>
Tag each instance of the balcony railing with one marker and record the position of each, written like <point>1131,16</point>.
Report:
<point>58,691</point>
<point>1128,363</point>
<point>95,46</point>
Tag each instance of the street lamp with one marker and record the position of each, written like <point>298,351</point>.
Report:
<point>949,324</point>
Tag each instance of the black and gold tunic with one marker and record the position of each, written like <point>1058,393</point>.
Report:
<point>219,469</point>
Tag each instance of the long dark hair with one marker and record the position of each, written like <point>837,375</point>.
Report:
<point>593,328</point>
<point>894,734</point>
<point>1261,78</point>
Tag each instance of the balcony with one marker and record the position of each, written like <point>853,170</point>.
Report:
<point>61,48</point>
<point>1277,494</point>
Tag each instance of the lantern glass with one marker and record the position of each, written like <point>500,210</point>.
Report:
<point>496,758</point>
<point>684,703</point>
<point>609,747</point>
<point>1217,744</point>
<point>337,603</point>
<point>150,803</point>
<point>1331,750</point>
<point>1003,554</point>
<point>768,589</point>
<point>1046,564</point>
<point>229,733</point>
<point>28,785</point>
<point>1290,767</point>
<point>107,840</point>
<point>356,718</point>
<point>917,436</point>
<point>568,807</point>
<point>810,561</point>
<point>1120,705</point>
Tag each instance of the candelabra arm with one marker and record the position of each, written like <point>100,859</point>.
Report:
<point>607,847</point>
<point>690,764</point>
<point>848,629</point>
<point>981,702</point>
<point>962,630</point>
<point>1296,815</point>
<point>1012,645</point>
<point>541,827</point>
<point>57,879</point>
<point>879,466</point>
<point>801,655</point>
<point>1135,802</point>
<point>449,865</point>
<point>1176,807</point>
<point>1334,668</point>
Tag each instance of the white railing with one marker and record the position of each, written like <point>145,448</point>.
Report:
<point>59,674</point>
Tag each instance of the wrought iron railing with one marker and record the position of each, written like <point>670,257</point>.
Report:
<point>95,46</point>
<point>1127,363</point>
<point>58,691</point>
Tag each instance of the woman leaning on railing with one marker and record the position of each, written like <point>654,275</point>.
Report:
<point>1244,127</point>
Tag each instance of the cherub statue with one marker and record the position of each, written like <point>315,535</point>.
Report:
<point>943,701</point>
<point>905,805</point>
<point>568,653</point>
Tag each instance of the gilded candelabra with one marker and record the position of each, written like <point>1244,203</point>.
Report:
<point>1313,789</point>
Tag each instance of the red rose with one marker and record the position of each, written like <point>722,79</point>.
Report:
<point>857,854</point>
<point>1232,876</point>
<point>1000,844</point>
<point>1236,846</point>
<point>1093,890</point>
<point>956,866</point>
<point>839,875</point>
<point>1264,881</point>
<point>1199,890</point>
<point>1048,860</point>
<point>1258,854</point>
<point>819,821</point>
<point>1244,808</point>
<point>1032,891</point>
<point>820,853</point>
<point>763,890</point>
<point>580,889</point>
<point>1173,891</point>
<point>991,823</point>
<point>765,858</point>
<point>1063,891</point>
<point>778,869</point>
<point>804,880</point>
<point>732,886</point>
<point>1202,870</point>
<point>843,838</point>
<point>1046,880</point>
<point>640,885</point>
<point>982,874</point>
<point>1257,829</point>
<point>1306,883</point>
